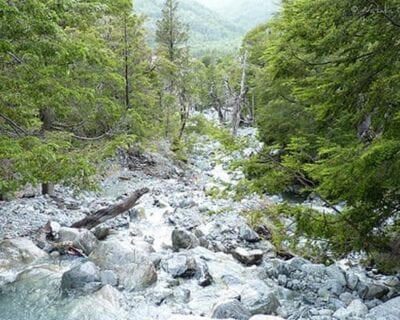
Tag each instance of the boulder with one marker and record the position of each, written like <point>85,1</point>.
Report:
<point>389,310</point>
<point>258,298</point>
<point>82,239</point>
<point>20,252</point>
<point>133,267</point>
<point>180,265</point>
<point>356,309</point>
<point>230,309</point>
<point>105,304</point>
<point>82,279</point>
<point>248,257</point>
<point>109,277</point>
<point>183,239</point>
<point>335,273</point>
<point>248,234</point>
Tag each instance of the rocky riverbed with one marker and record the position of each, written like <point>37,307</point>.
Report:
<point>179,254</point>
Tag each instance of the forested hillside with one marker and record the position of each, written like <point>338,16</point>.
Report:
<point>208,30</point>
<point>245,14</point>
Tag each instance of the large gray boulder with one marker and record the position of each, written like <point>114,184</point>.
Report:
<point>133,267</point>
<point>20,252</point>
<point>389,310</point>
<point>258,298</point>
<point>82,279</point>
<point>105,304</point>
<point>183,239</point>
<point>231,309</point>
<point>82,239</point>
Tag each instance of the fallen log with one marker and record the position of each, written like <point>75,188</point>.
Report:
<point>110,212</point>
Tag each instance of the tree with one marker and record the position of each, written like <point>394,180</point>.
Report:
<point>328,102</point>
<point>172,37</point>
<point>62,90</point>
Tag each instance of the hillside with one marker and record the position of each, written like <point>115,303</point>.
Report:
<point>245,14</point>
<point>208,30</point>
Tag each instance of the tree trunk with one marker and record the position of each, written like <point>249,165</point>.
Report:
<point>241,98</point>
<point>126,54</point>
<point>48,188</point>
<point>105,214</point>
<point>47,117</point>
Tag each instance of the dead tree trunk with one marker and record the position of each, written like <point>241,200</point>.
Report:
<point>105,214</point>
<point>241,98</point>
<point>217,104</point>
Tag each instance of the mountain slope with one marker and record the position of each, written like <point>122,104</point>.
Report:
<point>208,30</point>
<point>245,14</point>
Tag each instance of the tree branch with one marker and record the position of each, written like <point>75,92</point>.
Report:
<point>14,125</point>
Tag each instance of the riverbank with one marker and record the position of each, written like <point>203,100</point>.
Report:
<point>180,251</point>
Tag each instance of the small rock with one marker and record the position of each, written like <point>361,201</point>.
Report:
<point>180,265</point>
<point>101,233</point>
<point>230,309</point>
<point>258,298</point>
<point>352,281</point>
<point>264,317</point>
<point>182,239</point>
<point>202,274</point>
<point>253,257</point>
<point>248,234</point>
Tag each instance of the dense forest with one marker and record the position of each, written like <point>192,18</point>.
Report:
<point>84,81</point>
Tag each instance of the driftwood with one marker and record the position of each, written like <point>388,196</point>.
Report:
<point>108,213</point>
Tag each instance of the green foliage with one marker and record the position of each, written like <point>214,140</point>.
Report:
<point>325,80</point>
<point>62,89</point>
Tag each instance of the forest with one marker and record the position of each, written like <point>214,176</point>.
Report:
<point>84,84</point>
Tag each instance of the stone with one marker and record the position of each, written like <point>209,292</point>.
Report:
<point>101,233</point>
<point>389,310</point>
<point>356,309</point>
<point>104,304</point>
<point>352,281</point>
<point>230,309</point>
<point>133,267</point>
<point>180,266</point>
<point>248,258</point>
<point>264,317</point>
<point>109,277</point>
<point>298,262</point>
<point>183,239</point>
<point>18,253</point>
<point>81,238</point>
<point>258,298</point>
<point>335,273</point>
<point>82,279</point>
<point>202,274</point>
<point>248,234</point>
<point>187,203</point>
<point>376,291</point>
